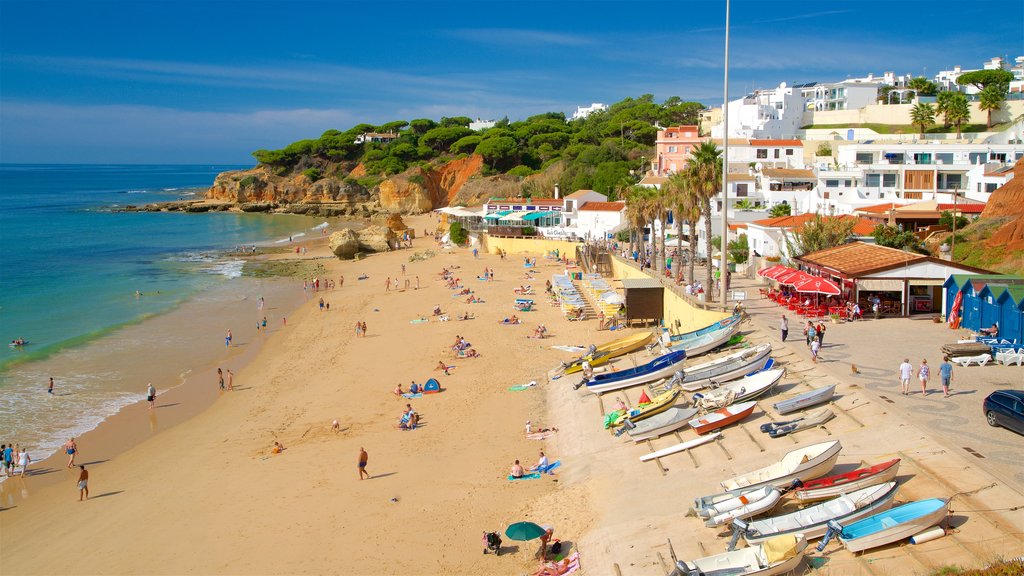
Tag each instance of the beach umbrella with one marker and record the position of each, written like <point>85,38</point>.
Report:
<point>817,285</point>
<point>524,531</point>
<point>779,272</point>
<point>792,278</point>
<point>771,270</point>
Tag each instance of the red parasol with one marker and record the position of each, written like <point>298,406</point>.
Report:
<point>792,278</point>
<point>817,285</point>
<point>771,271</point>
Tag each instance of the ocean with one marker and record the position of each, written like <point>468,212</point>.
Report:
<point>70,270</point>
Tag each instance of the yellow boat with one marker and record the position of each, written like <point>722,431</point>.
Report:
<point>658,404</point>
<point>609,350</point>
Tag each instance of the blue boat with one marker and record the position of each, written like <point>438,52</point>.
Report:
<point>661,367</point>
<point>674,339</point>
<point>890,526</point>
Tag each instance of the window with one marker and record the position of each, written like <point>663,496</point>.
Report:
<point>847,183</point>
<point>569,205</point>
<point>950,181</point>
<point>991,187</point>
<point>997,157</point>
<point>831,183</point>
<point>864,157</point>
<point>873,180</point>
<point>741,189</point>
<point>776,152</point>
<point>922,158</point>
<point>888,180</point>
<point>944,158</point>
<point>671,148</point>
<point>762,152</point>
<point>789,151</point>
<point>976,157</point>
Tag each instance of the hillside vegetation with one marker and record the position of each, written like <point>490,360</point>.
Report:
<point>598,152</point>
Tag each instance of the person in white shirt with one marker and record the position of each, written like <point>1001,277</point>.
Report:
<point>542,464</point>
<point>905,372</point>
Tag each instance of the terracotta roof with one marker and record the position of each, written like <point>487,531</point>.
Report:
<point>737,226</point>
<point>782,143</point>
<point>789,173</point>
<point>654,180</point>
<point>741,177</point>
<point>973,208</point>
<point>858,258</point>
<point>861,228</point>
<point>732,141</point>
<point>603,206</point>
<point>879,208</point>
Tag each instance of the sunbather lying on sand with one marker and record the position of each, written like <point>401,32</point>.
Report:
<point>442,366</point>
<point>530,428</point>
<point>467,316</point>
<point>277,449</point>
<point>471,353</point>
<point>511,320</point>
<point>474,300</point>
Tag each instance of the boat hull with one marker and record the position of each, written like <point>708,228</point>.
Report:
<point>727,368</point>
<point>900,531</point>
<point>815,467</point>
<point>723,324</point>
<point>678,418</point>
<point>722,418</point>
<point>833,486</point>
<point>741,562</point>
<point>705,343</point>
<point>599,385</point>
<point>806,400</point>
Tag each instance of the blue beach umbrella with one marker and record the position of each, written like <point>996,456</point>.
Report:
<point>524,531</point>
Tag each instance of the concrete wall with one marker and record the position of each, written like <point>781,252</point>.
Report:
<point>527,245</point>
<point>676,307</point>
<point>900,114</point>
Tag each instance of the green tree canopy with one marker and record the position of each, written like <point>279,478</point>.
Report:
<point>922,115</point>
<point>442,137</point>
<point>991,99</point>
<point>893,237</point>
<point>982,79</point>
<point>500,153</point>
<point>923,86</point>
<point>819,233</point>
<point>463,121</point>
<point>422,125</point>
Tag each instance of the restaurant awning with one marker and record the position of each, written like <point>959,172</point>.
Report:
<point>881,285</point>
<point>536,216</point>
<point>514,217</point>
<point>498,215</point>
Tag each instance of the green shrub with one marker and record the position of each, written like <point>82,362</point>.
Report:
<point>739,251</point>
<point>521,171</point>
<point>457,234</point>
<point>529,231</point>
<point>248,181</point>
<point>417,179</point>
<point>313,174</point>
<point>824,149</point>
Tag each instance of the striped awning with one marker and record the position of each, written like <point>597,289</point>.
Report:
<point>498,215</point>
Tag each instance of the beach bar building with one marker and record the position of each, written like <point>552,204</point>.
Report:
<point>906,283</point>
<point>985,300</point>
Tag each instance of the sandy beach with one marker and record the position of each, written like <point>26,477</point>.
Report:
<point>209,496</point>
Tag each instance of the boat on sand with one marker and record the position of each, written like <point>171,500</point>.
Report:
<point>805,463</point>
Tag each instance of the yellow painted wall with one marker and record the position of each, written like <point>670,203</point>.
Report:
<point>538,246</point>
<point>676,307</point>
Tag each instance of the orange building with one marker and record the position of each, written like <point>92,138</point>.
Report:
<point>673,147</point>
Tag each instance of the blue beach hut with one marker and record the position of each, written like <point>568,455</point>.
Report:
<point>1011,314</point>
<point>988,303</point>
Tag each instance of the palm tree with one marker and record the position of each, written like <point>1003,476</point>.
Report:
<point>635,215</point>
<point>687,207</point>
<point>942,103</point>
<point>705,172</point>
<point>922,115</point>
<point>922,86</point>
<point>991,99</point>
<point>958,110</point>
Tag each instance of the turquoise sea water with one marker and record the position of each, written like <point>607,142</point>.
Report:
<point>70,265</point>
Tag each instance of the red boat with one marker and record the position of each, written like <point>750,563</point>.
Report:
<point>839,484</point>
<point>723,417</point>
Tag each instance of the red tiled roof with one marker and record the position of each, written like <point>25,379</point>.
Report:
<point>880,208</point>
<point>579,193</point>
<point>782,143</point>
<point>603,206</point>
<point>858,258</point>
<point>863,227</point>
<point>964,208</point>
<point>737,226</point>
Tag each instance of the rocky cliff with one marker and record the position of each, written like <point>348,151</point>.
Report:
<point>1008,203</point>
<point>422,189</point>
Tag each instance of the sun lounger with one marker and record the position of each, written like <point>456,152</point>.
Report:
<point>1010,357</point>
<point>980,360</point>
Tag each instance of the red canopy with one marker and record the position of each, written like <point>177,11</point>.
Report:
<point>792,278</point>
<point>817,285</point>
<point>771,271</point>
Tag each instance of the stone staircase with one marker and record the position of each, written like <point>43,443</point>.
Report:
<point>589,309</point>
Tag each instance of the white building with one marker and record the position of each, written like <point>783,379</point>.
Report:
<point>482,125</point>
<point>770,113</point>
<point>598,220</point>
<point>584,111</point>
<point>845,95</point>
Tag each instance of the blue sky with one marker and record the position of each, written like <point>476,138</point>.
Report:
<point>209,81</point>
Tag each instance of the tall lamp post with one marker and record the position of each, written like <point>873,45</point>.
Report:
<point>952,248</point>
<point>724,266</point>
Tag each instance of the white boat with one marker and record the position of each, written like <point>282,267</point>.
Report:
<point>776,556</point>
<point>722,324</point>
<point>812,521</point>
<point>705,342</point>
<point>726,368</point>
<point>745,505</point>
<point>746,388</point>
<point>804,463</point>
<point>890,526</point>
<point>668,421</point>
<point>805,400</point>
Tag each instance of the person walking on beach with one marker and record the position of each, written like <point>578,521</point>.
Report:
<point>23,461</point>
<point>403,269</point>
<point>264,324</point>
<point>231,380</point>
<point>820,333</point>
<point>387,284</point>
<point>810,333</point>
<point>946,373</point>
<point>359,329</point>
<point>8,462</point>
<point>71,449</point>
<point>227,339</point>
<point>363,458</point>
<point>906,369</point>
<point>321,304</point>
<point>784,327</point>
<point>49,389</point>
<point>362,327</point>
<point>220,378</point>
<point>417,282</point>
<point>923,373</point>
<point>815,348</point>
<point>83,483</point>
<point>151,396</point>
<point>341,281</point>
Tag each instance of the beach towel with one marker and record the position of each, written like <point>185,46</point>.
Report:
<point>569,348</point>
<point>531,476</point>
<point>418,321</point>
<point>540,435</point>
<point>567,565</point>
<point>416,395</point>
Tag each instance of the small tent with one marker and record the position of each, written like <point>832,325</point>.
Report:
<point>431,387</point>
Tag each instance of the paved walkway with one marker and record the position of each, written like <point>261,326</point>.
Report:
<point>877,347</point>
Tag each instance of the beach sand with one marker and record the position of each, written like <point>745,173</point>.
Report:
<point>209,497</point>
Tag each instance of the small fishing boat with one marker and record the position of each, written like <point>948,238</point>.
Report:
<point>657,405</point>
<point>660,367</point>
<point>668,421</point>
<point>889,526</point>
<point>724,324</point>
<point>806,400</point>
<point>746,388</point>
<point>722,417</point>
<point>745,505</point>
<point>810,419</point>
<point>704,343</point>
<point>838,484</point>
<point>598,355</point>
<point>802,464</point>
<point>726,368</point>
<point>776,556</point>
<point>812,522</point>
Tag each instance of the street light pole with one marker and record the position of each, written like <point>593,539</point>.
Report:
<point>952,248</point>
<point>724,267</point>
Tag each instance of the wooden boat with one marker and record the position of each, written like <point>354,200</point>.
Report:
<point>722,417</point>
<point>668,421</point>
<point>726,368</point>
<point>681,447</point>
<point>810,419</point>
<point>806,400</point>
<point>745,505</point>
<point>812,522</point>
<point>660,367</point>
<point>706,342</point>
<point>889,526</point>
<point>723,324</point>
<point>802,464</point>
<point>607,351</point>
<point>746,388</point>
<point>776,556</point>
<point>658,404</point>
<point>832,486</point>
